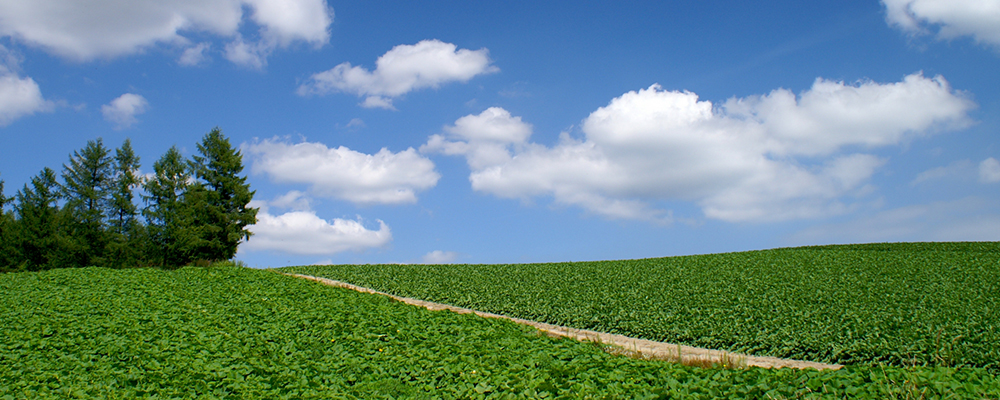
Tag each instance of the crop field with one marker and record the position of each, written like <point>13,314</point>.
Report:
<point>238,333</point>
<point>934,304</point>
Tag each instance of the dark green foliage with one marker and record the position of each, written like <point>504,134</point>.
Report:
<point>3,199</point>
<point>225,204</point>
<point>923,303</point>
<point>87,185</point>
<point>172,231</point>
<point>125,230</point>
<point>8,252</point>
<point>38,238</point>
<point>248,334</point>
<point>196,211</point>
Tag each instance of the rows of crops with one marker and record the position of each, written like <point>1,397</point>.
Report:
<point>241,333</point>
<point>896,304</point>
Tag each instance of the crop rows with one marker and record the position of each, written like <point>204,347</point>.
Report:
<point>239,333</point>
<point>896,304</point>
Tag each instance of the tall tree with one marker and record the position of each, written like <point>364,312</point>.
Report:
<point>124,228</point>
<point>8,253</point>
<point>37,213</point>
<point>170,221</point>
<point>87,188</point>
<point>227,197</point>
<point>3,199</point>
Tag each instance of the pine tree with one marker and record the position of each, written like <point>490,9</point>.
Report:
<point>228,196</point>
<point>87,188</point>
<point>171,228</point>
<point>3,200</point>
<point>37,214</point>
<point>124,228</point>
<point>8,253</point>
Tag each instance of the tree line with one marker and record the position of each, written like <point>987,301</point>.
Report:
<point>194,210</point>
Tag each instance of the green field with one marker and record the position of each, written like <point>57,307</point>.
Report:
<point>897,304</point>
<point>229,332</point>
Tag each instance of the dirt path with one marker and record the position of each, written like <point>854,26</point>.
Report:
<point>626,345</point>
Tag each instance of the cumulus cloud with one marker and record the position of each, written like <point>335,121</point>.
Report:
<point>483,138</point>
<point>989,171</point>
<point>85,30</point>
<point>979,19</point>
<point>761,158</point>
<point>304,233</point>
<point>19,97</point>
<point>122,111</point>
<point>381,178</point>
<point>439,257</point>
<point>427,64</point>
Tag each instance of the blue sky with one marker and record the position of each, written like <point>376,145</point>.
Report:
<point>464,132</point>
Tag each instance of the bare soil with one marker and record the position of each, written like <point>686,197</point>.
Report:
<point>617,344</point>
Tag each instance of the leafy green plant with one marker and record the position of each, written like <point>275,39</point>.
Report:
<point>237,333</point>
<point>872,304</point>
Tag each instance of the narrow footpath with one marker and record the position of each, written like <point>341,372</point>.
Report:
<point>623,344</point>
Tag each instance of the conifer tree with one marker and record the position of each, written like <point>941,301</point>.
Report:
<point>170,221</point>
<point>227,197</point>
<point>8,253</point>
<point>124,228</point>
<point>37,236</point>
<point>87,188</point>
<point>3,200</point>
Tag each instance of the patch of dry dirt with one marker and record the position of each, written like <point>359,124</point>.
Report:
<point>619,344</point>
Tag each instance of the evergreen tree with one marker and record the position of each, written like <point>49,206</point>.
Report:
<point>8,253</point>
<point>172,233</point>
<point>87,189</point>
<point>227,196</point>
<point>3,200</point>
<point>124,228</point>
<point>37,212</point>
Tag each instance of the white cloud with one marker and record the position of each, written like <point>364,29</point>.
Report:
<point>122,110</point>
<point>381,178</point>
<point>832,115</point>
<point>427,64</point>
<point>979,19</point>
<point>439,257</point>
<point>85,30</point>
<point>285,21</point>
<point>989,170</point>
<point>194,55</point>
<point>968,219</point>
<point>485,137</point>
<point>250,55</point>
<point>19,96</point>
<point>759,158</point>
<point>293,200</point>
<point>305,233</point>
<point>375,102</point>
